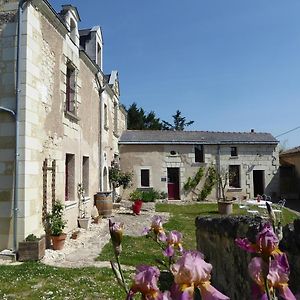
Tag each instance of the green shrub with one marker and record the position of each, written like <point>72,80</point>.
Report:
<point>31,238</point>
<point>149,195</point>
<point>163,195</point>
<point>135,195</point>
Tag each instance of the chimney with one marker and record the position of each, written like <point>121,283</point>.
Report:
<point>252,130</point>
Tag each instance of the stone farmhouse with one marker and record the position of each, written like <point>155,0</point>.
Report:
<point>60,116</point>
<point>290,173</point>
<point>164,160</point>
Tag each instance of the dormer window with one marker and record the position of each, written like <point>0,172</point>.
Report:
<point>73,30</point>
<point>99,58</point>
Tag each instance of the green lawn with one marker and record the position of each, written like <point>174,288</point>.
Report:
<point>37,281</point>
<point>137,250</point>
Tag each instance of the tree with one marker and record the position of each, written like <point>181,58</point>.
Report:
<point>118,178</point>
<point>179,122</point>
<point>137,119</point>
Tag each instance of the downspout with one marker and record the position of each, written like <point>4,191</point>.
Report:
<point>100,91</point>
<point>219,170</point>
<point>16,180</point>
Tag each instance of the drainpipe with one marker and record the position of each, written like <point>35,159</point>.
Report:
<point>16,115</point>
<point>101,90</point>
<point>219,170</point>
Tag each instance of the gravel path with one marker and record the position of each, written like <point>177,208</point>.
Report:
<point>83,251</point>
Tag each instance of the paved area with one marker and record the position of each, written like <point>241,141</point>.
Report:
<point>83,251</point>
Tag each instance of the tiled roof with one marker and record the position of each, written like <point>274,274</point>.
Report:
<point>194,137</point>
<point>291,151</point>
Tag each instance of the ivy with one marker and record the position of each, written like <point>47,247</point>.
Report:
<point>209,183</point>
<point>192,183</point>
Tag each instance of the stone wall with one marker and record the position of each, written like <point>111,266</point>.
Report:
<point>215,239</point>
<point>157,158</point>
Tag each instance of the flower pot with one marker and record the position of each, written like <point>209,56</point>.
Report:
<point>75,235</point>
<point>84,222</point>
<point>137,206</point>
<point>225,207</point>
<point>97,220</point>
<point>32,250</point>
<point>58,241</point>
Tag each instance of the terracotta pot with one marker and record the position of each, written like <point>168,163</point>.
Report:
<point>58,241</point>
<point>137,206</point>
<point>225,207</point>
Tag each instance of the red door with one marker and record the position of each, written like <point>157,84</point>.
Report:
<point>173,183</point>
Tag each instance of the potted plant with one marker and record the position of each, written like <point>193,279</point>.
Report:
<point>84,220</point>
<point>32,248</point>
<point>136,196</point>
<point>118,178</point>
<point>55,225</point>
<point>224,205</point>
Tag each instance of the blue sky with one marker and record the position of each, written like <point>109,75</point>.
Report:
<point>229,65</point>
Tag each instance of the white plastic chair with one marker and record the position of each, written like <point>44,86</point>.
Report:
<point>279,206</point>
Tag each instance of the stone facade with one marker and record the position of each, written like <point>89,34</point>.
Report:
<point>216,240</point>
<point>290,173</point>
<point>62,95</point>
<point>257,164</point>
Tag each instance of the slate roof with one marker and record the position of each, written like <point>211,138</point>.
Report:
<point>194,137</point>
<point>290,151</point>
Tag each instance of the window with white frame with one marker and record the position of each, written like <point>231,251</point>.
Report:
<point>145,177</point>
<point>199,153</point>
<point>116,106</point>
<point>233,151</point>
<point>70,89</point>
<point>234,176</point>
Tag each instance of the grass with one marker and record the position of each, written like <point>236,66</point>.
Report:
<point>37,281</point>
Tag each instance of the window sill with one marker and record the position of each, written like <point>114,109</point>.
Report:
<point>86,199</point>
<point>71,116</point>
<point>233,157</point>
<point>234,189</point>
<point>70,204</point>
<point>197,164</point>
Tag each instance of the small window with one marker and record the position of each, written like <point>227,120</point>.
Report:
<point>69,177</point>
<point>99,58</point>
<point>70,89</point>
<point>85,175</point>
<point>116,118</point>
<point>105,117</point>
<point>233,151</point>
<point>73,30</point>
<point>173,152</point>
<point>199,153</point>
<point>234,176</point>
<point>145,178</point>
